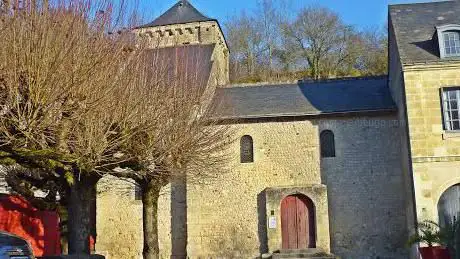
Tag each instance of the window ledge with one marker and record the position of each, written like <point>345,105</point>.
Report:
<point>451,134</point>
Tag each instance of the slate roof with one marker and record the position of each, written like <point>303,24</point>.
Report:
<point>366,94</point>
<point>182,12</point>
<point>415,27</point>
<point>189,65</point>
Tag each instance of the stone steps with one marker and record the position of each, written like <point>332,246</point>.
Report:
<point>303,253</point>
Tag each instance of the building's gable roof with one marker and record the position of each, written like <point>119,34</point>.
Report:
<point>303,99</point>
<point>415,28</point>
<point>182,12</point>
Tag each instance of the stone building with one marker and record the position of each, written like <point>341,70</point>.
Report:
<point>424,77</point>
<point>347,166</point>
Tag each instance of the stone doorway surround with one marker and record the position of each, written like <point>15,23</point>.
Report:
<point>317,193</point>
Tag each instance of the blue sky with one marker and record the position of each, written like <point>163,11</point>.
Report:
<point>362,13</point>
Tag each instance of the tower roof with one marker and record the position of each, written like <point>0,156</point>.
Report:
<point>182,12</point>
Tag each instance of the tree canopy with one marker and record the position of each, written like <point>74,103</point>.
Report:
<point>274,43</point>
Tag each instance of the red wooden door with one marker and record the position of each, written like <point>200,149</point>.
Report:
<point>297,223</point>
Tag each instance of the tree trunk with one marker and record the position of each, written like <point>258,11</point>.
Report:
<point>63,226</point>
<point>150,195</point>
<point>81,222</point>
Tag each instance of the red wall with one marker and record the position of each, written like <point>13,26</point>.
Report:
<point>40,228</point>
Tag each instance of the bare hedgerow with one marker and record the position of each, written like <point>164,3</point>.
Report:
<point>183,139</point>
<point>67,101</point>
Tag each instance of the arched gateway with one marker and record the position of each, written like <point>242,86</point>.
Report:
<point>449,205</point>
<point>298,222</point>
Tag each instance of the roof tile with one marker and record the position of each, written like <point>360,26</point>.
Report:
<point>415,27</point>
<point>305,98</point>
<point>182,12</point>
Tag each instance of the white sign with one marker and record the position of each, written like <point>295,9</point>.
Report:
<point>272,222</point>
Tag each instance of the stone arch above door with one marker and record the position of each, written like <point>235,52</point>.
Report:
<point>317,194</point>
<point>443,187</point>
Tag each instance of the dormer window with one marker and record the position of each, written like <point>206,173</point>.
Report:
<point>449,40</point>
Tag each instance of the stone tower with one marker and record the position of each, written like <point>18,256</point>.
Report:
<point>184,25</point>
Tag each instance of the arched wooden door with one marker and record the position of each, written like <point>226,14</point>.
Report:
<point>449,205</point>
<point>297,222</point>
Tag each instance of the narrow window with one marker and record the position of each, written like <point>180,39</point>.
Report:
<point>450,100</point>
<point>451,43</point>
<point>246,149</point>
<point>327,143</point>
<point>137,193</point>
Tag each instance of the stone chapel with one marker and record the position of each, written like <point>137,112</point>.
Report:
<point>345,166</point>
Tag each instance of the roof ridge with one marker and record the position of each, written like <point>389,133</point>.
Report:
<point>351,78</point>
<point>349,97</point>
<point>309,81</point>
<point>265,83</point>
<point>181,12</point>
<point>420,3</point>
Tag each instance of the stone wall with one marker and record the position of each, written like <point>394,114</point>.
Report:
<point>226,216</point>
<point>435,152</point>
<point>365,188</point>
<point>364,185</point>
<point>118,220</point>
<point>396,84</point>
<point>423,85</point>
<point>182,34</point>
<point>432,179</point>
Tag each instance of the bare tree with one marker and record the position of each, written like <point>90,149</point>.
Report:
<point>64,102</point>
<point>270,29</point>
<point>318,35</point>
<point>246,44</point>
<point>373,52</point>
<point>253,39</point>
<point>182,139</point>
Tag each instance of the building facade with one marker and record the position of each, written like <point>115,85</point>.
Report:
<point>346,166</point>
<point>424,78</point>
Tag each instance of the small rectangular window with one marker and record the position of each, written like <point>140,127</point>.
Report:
<point>450,105</point>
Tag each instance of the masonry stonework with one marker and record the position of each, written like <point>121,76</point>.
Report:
<point>363,194</point>
<point>435,151</point>
<point>118,219</point>
<point>390,168</point>
<point>365,188</point>
<point>226,217</point>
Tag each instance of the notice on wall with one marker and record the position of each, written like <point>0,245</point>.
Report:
<point>272,222</point>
